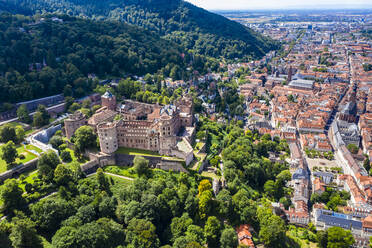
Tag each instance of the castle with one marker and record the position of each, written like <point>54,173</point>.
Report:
<point>167,129</point>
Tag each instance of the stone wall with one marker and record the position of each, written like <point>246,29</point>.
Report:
<point>16,171</point>
<point>127,160</point>
<point>154,162</point>
<point>90,167</point>
<point>203,165</point>
<point>170,165</point>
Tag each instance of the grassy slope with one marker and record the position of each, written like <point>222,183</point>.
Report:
<point>21,150</point>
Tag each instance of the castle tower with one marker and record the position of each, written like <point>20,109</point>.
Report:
<point>109,100</point>
<point>73,122</point>
<point>108,139</point>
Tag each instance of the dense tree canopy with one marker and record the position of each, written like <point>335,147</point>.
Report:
<point>195,28</point>
<point>45,57</point>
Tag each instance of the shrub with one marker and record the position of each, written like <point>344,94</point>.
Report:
<point>28,187</point>
<point>62,147</point>
<point>66,156</point>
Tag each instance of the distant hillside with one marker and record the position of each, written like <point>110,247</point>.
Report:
<point>40,58</point>
<point>195,28</point>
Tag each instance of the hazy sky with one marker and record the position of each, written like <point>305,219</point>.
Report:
<point>278,4</point>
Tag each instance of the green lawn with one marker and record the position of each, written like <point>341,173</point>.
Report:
<point>121,170</point>
<point>28,132</point>
<point>134,151</point>
<point>30,178</point>
<point>14,124</point>
<point>31,147</point>
<point>210,175</point>
<point>17,124</point>
<point>119,183</point>
<point>21,150</point>
<point>198,146</point>
<point>144,153</point>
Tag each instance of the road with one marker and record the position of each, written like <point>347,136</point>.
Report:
<point>114,175</point>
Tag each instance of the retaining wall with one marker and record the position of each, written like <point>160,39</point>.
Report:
<point>16,171</point>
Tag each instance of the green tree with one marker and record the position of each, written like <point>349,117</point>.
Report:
<point>23,114</point>
<point>44,112</point>
<point>140,165</point>
<point>339,238</point>
<point>229,238</point>
<point>142,234</point>
<point>38,120</point>
<point>272,227</point>
<point>205,203</point>
<point>195,233</point>
<point>176,73</point>
<point>322,238</point>
<point>24,234</point>
<point>353,148</point>
<point>85,139</point>
<point>56,141</point>
<point>41,116</point>
<point>367,164</point>
<point>204,185</point>
<point>270,188</point>
<point>75,106</point>
<point>5,229</point>
<point>20,134</point>
<point>101,233</point>
<point>49,213</point>
<point>8,133</point>
<point>179,225</point>
<point>66,156</point>
<point>212,231</point>
<point>47,164</point>
<point>9,152</point>
<point>225,204</point>
<point>272,233</point>
<point>102,181</point>
<point>63,175</point>
<point>11,195</point>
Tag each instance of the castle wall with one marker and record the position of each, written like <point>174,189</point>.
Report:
<point>154,162</point>
<point>138,134</point>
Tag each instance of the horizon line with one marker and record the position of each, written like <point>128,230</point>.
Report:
<point>369,8</point>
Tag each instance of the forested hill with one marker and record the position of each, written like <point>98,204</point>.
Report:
<point>195,28</point>
<point>42,57</point>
